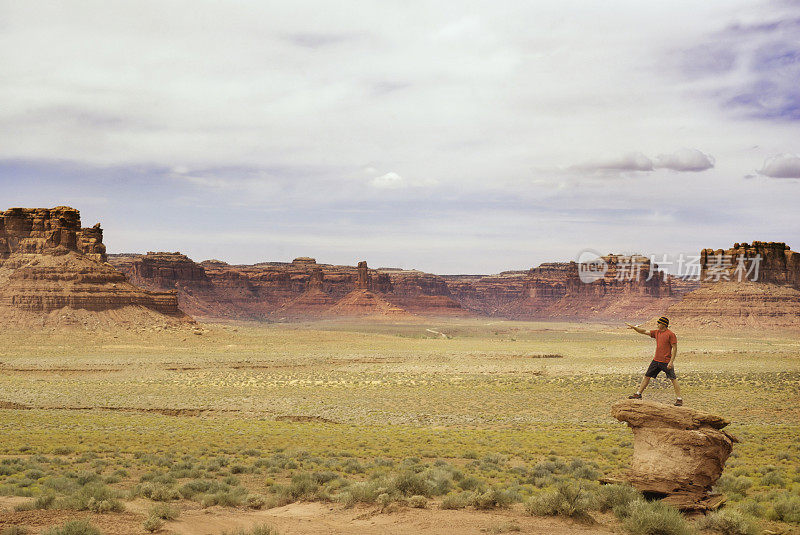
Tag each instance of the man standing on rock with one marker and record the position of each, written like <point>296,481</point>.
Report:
<point>666,351</point>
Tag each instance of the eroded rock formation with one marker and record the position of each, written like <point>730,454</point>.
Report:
<point>269,290</point>
<point>627,286</point>
<point>766,262</point>
<point>43,230</point>
<point>284,290</point>
<point>749,285</point>
<point>678,452</point>
<point>49,263</point>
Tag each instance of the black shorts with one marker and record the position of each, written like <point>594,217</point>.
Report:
<point>657,367</point>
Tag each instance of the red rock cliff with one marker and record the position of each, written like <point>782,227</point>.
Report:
<point>48,262</point>
<point>748,285</point>
<point>40,230</point>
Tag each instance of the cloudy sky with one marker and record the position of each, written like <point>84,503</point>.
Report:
<point>453,137</point>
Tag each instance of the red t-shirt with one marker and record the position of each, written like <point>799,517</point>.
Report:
<point>664,341</point>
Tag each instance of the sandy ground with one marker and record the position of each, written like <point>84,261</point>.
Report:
<point>305,518</point>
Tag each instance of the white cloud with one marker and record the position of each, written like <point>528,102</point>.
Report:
<point>684,160</point>
<point>390,180</point>
<point>782,166</point>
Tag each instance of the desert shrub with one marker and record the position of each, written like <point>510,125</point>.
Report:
<point>14,530</point>
<point>608,497</point>
<point>303,486</point>
<point>255,501</point>
<point>786,509</point>
<point>733,484</point>
<point>280,496</point>
<point>45,501</point>
<point>752,508</point>
<point>34,474</point>
<point>163,511</point>
<point>74,527</point>
<point>61,484</point>
<point>84,478</point>
<point>773,478</point>
<point>11,489</point>
<point>320,478</point>
<point>361,492</point>
<point>158,492</point>
<point>94,497</point>
<point>654,518</point>
<point>569,499</point>
<point>255,530</point>
<point>352,466</point>
<point>578,468</point>
<point>409,483</point>
<point>418,502</point>
<point>231,498</point>
<point>458,500</point>
<point>152,524</point>
<point>470,483</point>
<point>494,498</point>
<point>240,469</point>
<point>728,522</point>
<point>200,486</point>
<point>440,481</point>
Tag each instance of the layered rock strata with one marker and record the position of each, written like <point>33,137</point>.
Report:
<point>678,452</point>
<point>48,262</point>
<point>749,285</point>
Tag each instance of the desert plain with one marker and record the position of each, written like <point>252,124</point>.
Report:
<point>412,425</point>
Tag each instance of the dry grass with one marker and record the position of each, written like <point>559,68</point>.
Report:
<point>384,412</point>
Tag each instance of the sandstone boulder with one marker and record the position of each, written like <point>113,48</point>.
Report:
<point>678,452</point>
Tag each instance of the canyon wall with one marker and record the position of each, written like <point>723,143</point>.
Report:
<point>49,262</point>
<point>304,288</point>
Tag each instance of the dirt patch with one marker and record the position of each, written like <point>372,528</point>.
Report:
<point>364,361</point>
<point>302,418</point>
<point>266,366</point>
<point>59,371</point>
<point>333,519</point>
<point>12,405</point>
<point>39,520</point>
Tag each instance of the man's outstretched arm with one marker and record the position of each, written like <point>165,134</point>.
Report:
<point>638,329</point>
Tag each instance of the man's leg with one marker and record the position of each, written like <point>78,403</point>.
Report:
<point>643,384</point>
<point>677,388</point>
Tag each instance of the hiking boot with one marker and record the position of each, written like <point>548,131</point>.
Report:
<point>635,396</point>
<point>678,402</point>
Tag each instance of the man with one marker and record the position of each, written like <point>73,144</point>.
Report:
<point>666,351</point>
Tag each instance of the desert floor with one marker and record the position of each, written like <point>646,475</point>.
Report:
<point>367,426</point>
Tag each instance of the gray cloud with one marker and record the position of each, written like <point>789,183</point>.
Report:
<point>294,119</point>
<point>633,161</point>
<point>782,166</point>
<point>750,68</point>
<point>682,160</point>
<point>685,160</point>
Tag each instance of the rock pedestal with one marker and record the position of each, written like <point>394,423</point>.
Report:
<point>678,452</point>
